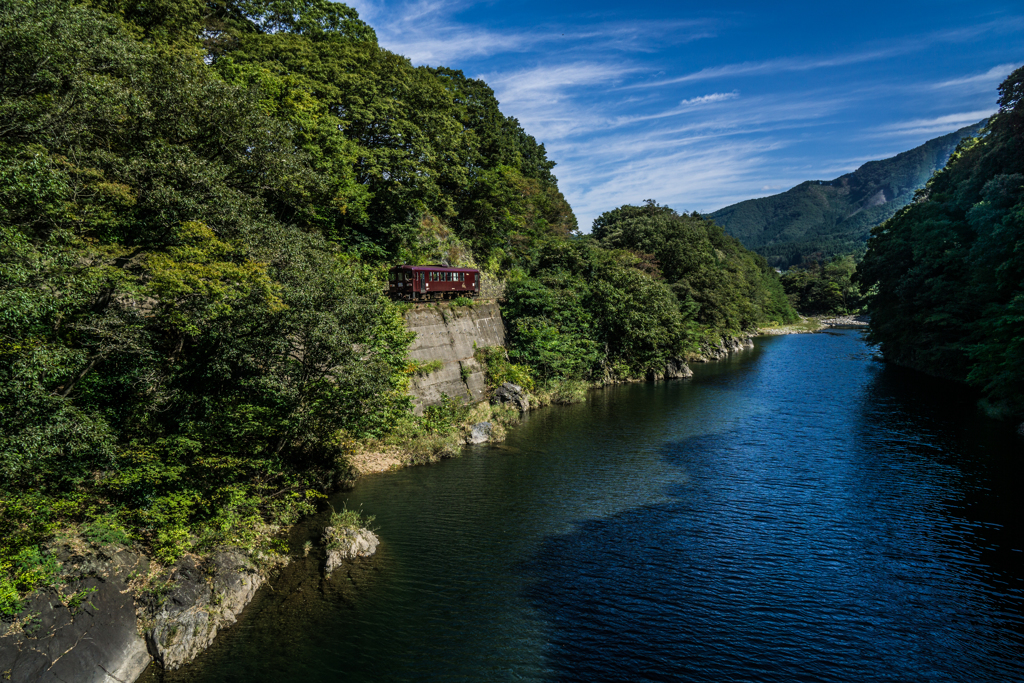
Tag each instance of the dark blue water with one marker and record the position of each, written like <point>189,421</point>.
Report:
<point>796,513</point>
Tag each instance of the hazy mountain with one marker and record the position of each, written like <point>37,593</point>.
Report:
<point>819,218</point>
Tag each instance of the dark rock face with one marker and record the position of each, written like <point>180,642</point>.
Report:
<point>206,597</point>
<point>1020,430</point>
<point>512,393</point>
<point>96,642</point>
<point>677,369</point>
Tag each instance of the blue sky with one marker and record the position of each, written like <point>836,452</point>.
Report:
<point>702,105</point>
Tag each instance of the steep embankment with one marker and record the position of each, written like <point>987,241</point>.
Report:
<point>820,218</point>
<point>451,336</point>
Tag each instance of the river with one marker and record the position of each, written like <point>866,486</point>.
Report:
<point>799,512</point>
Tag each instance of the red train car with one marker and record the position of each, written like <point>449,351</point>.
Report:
<point>424,283</point>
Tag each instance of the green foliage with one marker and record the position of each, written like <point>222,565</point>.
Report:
<point>824,288</point>
<point>817,220</point>
<point>501,370</point>
<point>587,313</point>
<point>444,418</point>
<point>948,270</point>
<point>424,369</point>
<point>23,572</point>
<point>350,519</point>
<point>179,341</point>
<point>408,151</point>
<point>722,288</point>
<point>106,530</point>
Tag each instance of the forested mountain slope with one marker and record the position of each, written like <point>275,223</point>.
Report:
<point>820,218</point>
<point>949,268</point>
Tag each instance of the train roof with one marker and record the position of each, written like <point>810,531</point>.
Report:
<point>406,266</point>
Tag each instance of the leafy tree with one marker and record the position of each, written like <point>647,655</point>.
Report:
<point>181,350</point>
<point>588,313</point>
<point>948,269</point>
<point>721,286</point>
<point>824,288</point>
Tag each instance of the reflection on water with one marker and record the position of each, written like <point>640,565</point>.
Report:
<point>796,513</point>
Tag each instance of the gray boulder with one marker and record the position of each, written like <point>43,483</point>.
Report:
<point>1020,430</point>
<point>677,369</point>
<point>513,394</point>
<point>205,599</point>
<point>481,433</point>
<point>346,543</point>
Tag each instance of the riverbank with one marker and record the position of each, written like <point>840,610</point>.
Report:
<point>816,324</point>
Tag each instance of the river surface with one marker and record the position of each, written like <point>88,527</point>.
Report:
<point>799,512</point>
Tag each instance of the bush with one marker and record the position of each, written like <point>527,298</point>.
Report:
<point>350,519</point>
<point>501,370</point>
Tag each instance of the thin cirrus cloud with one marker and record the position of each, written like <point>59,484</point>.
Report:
<point>935,125</point>
<point>699,109</point>
<point>986,80</point>
<point>424,32</point>
<point>771,66</point>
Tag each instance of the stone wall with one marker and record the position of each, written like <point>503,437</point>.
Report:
<point>448,334</point>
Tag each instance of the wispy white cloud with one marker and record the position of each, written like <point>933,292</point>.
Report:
<point>771,66</point>
<point>427,32</point>
<point>936,125</point>
<point>982,81</point>
<point>807,63</point>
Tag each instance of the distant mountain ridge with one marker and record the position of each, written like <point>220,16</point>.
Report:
<point>820,218</point>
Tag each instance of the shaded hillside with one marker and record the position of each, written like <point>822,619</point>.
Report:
<point>817,219</point>
<point>948,270</point>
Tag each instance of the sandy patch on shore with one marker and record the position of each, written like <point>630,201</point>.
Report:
<point>384,460</point>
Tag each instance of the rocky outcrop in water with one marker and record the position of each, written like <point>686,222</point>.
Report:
<point>846,321</point>
<point>206,596</point>
<point>480,433</point>
<point>512,394</point>
<point>727,345</point>
<point>677,369</point>
<point>347,543</point>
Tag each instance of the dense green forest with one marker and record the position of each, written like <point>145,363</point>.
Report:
<point>647,285</point>
<point>828,288</point>
<point>195,234</point>
<point>818,219</point>
<point>949,268</point>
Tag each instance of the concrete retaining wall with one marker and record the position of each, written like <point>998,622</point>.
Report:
<point>448,335</point>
